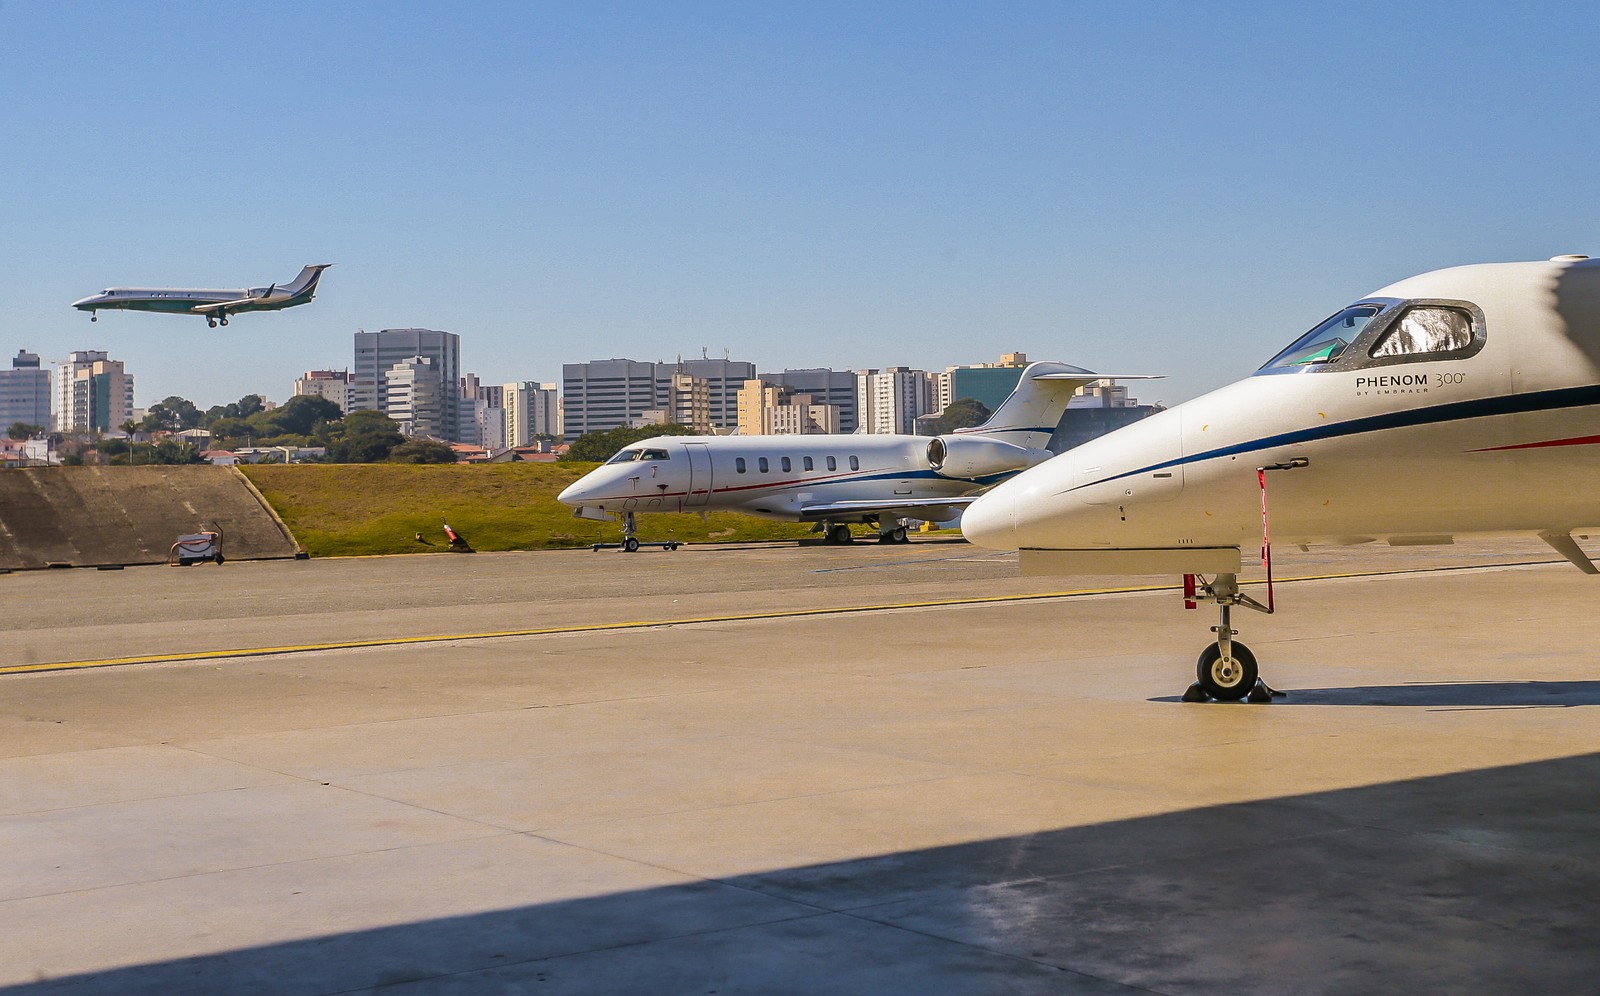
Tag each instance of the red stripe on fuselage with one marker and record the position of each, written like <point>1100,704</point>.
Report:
<point>1575,441</point>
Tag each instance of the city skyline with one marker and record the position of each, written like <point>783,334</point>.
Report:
<point>1161,189</point>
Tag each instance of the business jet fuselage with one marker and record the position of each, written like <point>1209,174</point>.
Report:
<point>1457,402</point>
<point>832,479</point>
<point>214,305</point>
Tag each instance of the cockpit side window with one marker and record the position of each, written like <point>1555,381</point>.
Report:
<point>1327,342</point>
<point>1424,330</point>
<point>654,455</point>
<point>624,456</point>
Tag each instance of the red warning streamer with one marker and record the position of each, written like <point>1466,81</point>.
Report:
<point>1266,536</point>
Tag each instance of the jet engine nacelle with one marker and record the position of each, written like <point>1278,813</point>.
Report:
<point>972,457</point>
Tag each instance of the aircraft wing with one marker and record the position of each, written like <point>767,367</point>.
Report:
<point>907,506</point>
<point>215,306</point>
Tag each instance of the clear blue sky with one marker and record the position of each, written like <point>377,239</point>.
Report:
<point>1135,187</point>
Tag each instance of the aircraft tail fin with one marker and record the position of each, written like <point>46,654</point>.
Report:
<point>1029,416</point>
<point>306,281</point>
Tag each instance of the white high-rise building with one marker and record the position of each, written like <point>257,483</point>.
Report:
<point>415,396</point>
<point>530,410</point>
<point>890,400</point>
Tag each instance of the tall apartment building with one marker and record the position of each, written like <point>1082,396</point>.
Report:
<point>378,353</point>
<point>826,387</point>
<point>530,410</point>
<point>603,394</point>
<point>25,392</point>
<point>331,385</point>
<point>890,400</point>
<point>93,393</point>
<point>770,410</point>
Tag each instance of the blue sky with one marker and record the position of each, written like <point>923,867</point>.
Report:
<point>1135,187</point>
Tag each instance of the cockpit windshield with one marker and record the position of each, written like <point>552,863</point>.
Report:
<point>627,456</point>
<point>1325,343</point>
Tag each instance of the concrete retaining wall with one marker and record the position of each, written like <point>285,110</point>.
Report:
<point>92,516</point>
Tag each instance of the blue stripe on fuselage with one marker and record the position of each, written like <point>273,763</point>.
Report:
<point>1456,411</point>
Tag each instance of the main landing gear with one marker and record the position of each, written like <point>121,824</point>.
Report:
<point>213,321</point>
<point>892,530</point>
<point>630,536</point>
<point>1226,670</point>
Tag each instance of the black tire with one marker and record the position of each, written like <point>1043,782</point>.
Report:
<point>630,545</point>
<point>900,535</point>
<point>840,535</point>
<point>220,558</point>
<point>1226,681</point>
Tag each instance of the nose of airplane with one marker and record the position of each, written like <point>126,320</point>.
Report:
<point>573,493</point>
<point>989,520</point>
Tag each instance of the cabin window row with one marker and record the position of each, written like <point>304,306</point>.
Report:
<point>786,464</point>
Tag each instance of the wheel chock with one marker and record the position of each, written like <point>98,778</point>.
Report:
<point>1262,693</point>
<point>1194,693</point>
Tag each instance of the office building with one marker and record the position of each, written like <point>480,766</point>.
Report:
<point>378,353</point>
<point>25,393</point>
<point>988,383</point>
<point>770,410</point>
<point>604,394</point>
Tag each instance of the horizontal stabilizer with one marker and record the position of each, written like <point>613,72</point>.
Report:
<point>865,507</point>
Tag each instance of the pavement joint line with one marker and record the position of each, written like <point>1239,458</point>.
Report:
<point>398,641</point>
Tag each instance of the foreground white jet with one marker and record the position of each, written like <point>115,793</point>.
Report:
<point>215,305</point>
<point>1456,402</point>
<point>832,480</point>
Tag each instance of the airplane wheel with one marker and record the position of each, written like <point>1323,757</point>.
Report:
<point>219,559</point>
<point>900,535</point>
<point>224,319</point>
<point>94,318</point>
<point>840,534</point>
<point>630,545</point>
<point>1226,679</point>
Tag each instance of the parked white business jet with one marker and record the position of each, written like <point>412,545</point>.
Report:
<point>215,305</point>
<point>1461,401</point>
<point>832,480</point>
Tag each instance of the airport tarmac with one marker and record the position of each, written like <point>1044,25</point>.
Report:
<point>779,769</point>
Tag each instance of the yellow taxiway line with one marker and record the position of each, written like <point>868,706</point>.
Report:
<point>399,641</point>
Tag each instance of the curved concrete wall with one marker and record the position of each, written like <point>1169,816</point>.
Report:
<point>90,516</point>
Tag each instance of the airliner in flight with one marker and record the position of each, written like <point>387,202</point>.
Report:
<point>1458,402</point>
<point>832,480</point>
<point>214,305</point>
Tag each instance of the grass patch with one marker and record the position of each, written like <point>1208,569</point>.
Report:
<point>347,510</point>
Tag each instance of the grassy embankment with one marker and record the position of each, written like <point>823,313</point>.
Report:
<point>345,510</point>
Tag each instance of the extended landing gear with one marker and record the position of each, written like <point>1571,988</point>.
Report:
<point>1226,670</point>
<point>837,534</point>
<point>93,317</point>
<point>892,530</point>
<point>630,539</point>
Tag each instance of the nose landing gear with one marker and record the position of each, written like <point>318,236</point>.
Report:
<point>1226,670</point>
<point>630,538</point>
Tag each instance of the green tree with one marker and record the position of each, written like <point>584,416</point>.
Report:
<point>601,446</point>
<point>22,430</point>
<point>245,407</point>
<point>961,413</point>
<point>422,451</point>
<point>364,437</point>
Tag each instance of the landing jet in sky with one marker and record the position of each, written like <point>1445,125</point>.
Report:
<point>1458,402</point>
<point>832,480</point>
<point>214,305</point>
